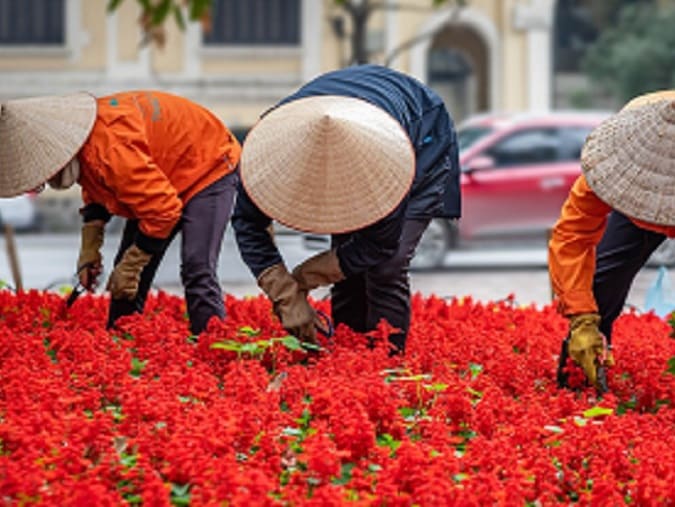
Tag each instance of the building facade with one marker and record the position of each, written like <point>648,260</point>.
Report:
<point>490,55</point>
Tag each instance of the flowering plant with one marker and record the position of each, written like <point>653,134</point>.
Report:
<point>245,415</point>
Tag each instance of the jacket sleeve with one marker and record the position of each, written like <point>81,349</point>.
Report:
<point>571,250</point>
<point>251,229</point>
<point>138,183</point>
<point>372,245</point>
<point>93,210</point>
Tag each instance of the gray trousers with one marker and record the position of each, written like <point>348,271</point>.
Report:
<point>622,252</point>
<point>382,292</point>
<point>202,226</point>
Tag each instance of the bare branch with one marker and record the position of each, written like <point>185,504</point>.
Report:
<point>394,53</point>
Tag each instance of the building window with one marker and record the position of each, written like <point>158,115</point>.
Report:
<point>254,23</point>
<point>32,22</point>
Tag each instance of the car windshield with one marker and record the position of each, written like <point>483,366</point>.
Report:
<point>467,137</point>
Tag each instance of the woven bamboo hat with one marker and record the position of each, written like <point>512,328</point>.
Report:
<point>39,136</point>
<point>629,160</point>
<point>327,164</point>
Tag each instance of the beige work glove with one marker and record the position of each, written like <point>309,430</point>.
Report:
<point>289,303</point>
<point>123,281</point>
<point>321,269</point>
<point>90,261</point>
<point>586,345</point>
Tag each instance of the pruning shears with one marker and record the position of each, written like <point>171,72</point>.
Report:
<point>324,324</point>
<point>78,287</point>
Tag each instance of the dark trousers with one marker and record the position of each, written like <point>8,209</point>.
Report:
<point>382,292</point>
<point>202,227</point>
<point>622,252</point>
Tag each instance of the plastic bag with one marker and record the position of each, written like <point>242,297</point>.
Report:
<point>660,297</point>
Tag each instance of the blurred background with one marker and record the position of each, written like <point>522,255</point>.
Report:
<point>525,81</point>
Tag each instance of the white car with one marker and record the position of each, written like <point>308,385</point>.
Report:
<point>19,212</point>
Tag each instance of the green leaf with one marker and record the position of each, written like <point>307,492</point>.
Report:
<point>291,343</point>
<point>291,432</point>
<point>128,460</point>
<point>597,412</point>
<point>435,387</point>
<point>459,477</point>
<point>178,16</point>
<point>113,5</point>
<point>345,474</point>
<point>199,8</point>
<point>227,345</point>
<point>671,366</point>
<point>253,347</point>
<point>137,366</point>
<point>249,331</point>
<point>310,346</point>
<point>554,429</point>
<point>475,369</point>
<point>473,392</point>
<point>180,494</point>
<point>386,440</point>
<point>160,12</point>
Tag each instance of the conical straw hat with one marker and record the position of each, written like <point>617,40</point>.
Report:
<point>649,98</point>
<point>629,161</point>
<point>39,136</point>
<point>327,164</point>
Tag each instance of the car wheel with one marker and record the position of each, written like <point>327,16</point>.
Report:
<point>437,239</point>
<point>664,255</point>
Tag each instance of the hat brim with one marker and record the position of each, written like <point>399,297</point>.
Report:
<point>39,136</point>
<point>327,164</point>
<point>629,161</point>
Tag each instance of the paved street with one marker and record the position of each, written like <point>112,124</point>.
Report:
<point>482,273</point>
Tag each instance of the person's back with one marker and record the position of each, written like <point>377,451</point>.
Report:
<point>366,154</point>
<point>422,114</point>
<point>185,140</point>
<point>402,96</point>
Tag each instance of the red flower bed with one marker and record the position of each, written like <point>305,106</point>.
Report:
<point>470,416</point>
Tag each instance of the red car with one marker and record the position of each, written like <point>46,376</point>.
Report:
<point>517,170</point>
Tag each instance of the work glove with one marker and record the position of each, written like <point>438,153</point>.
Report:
<point>586,345</point>
<point>123,281</point>
<point>289,303</point>
<point>90,261</point>
<point>321,269</point>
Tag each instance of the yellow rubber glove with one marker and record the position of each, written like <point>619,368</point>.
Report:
<point>123,281</point>
<point>289,302</point>
<point>321,269</point>
<point>586,345</point>
<point>90,261</point>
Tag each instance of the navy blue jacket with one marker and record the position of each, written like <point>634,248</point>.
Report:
<point>435,190</point>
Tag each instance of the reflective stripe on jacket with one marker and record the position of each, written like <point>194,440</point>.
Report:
<point>571,250</point>
<point>149,153</point>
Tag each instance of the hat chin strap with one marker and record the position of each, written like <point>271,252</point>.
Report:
<point>67,176</point>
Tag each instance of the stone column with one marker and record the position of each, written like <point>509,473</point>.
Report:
<point>536,19</point>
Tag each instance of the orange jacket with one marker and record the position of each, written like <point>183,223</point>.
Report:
<point>149,153</point>
<point>571,250</point>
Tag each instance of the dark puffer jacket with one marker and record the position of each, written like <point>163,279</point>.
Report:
<point>435,190</point>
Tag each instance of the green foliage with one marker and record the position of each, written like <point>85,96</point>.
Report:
<point>157,12</point>
<point>636,55</point>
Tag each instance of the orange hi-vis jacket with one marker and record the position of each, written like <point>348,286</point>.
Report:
<point>149,153</point>
<point>571,249</point>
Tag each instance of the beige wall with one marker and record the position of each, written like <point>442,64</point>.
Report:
<point>93,21</point>
<point>216,76</point>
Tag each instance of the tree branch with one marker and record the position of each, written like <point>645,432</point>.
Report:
<point>426,35</point>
